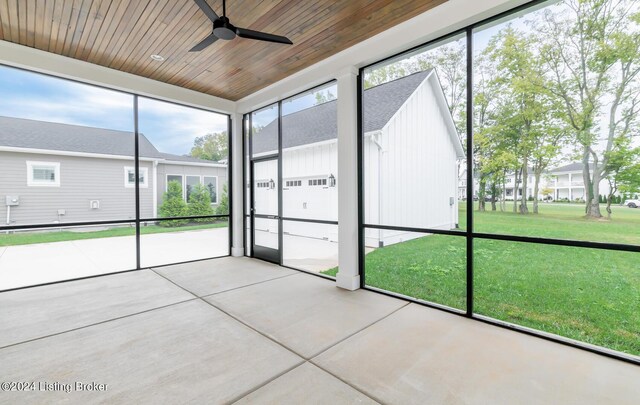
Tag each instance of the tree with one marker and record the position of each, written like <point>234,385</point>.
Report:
<point>322,98</point>
<point>200,202</point>
<point>173,205</point>
<point>223,207</point>
<point>526,110</point>
<point>623,168</point>
<point>211,147</point>
<point>592,52</point>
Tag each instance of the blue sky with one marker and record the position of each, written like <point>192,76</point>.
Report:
<point>170,127</point>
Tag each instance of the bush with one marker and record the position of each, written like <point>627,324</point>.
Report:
<point>173,205</point>
<point>223,207</point>
<point>200,203</point>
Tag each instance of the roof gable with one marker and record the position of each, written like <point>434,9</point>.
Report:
<point>320,123</point>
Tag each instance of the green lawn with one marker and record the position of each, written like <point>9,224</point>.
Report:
<point>561,221</point>
<point>29,238</point>
<point>590,295</point>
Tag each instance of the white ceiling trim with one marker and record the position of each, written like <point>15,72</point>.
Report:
<point>50,63</point>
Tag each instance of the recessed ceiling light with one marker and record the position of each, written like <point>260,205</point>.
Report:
<point>157,57</point>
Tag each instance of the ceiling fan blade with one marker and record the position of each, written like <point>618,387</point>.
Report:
<point>204,43</point>
<point>262,36</point>
<point>207,10</point>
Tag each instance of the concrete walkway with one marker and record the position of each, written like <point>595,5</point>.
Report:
<point>236,330</point>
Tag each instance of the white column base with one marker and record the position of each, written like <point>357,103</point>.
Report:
<point>237,252</point>
<point>347,281</point>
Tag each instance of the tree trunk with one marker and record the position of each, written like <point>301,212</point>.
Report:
<point>493,196</point>
<point>525,176</point>
<point>591,187</point>
<point>482,184</point>
<point>536,185</point>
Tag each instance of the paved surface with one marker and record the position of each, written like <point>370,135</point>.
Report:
<point>46,262</point>
<point>41,263</point>
<point>236,329</point>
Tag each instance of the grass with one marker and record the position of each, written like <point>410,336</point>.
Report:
<point>590,295</point>
<point>29,238</point>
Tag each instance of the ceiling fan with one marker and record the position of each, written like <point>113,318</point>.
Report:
<point>223,29</point>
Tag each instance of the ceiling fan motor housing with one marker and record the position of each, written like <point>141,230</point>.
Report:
<point>223,29</point>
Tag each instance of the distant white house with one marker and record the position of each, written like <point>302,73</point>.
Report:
<point>60,173</point>
<point>411,149</point>
<point>564,182</point>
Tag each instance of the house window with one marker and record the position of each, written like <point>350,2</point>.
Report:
<point>130,177</point>
<point>43,174</point>
<point>192,182</point>
<point>294,183</point>
<point>211,183</point>
<point>318,182</point>
<point>175,178</point>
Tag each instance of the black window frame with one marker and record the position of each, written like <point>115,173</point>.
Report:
<point>469,234</point>
<point>138,221</point>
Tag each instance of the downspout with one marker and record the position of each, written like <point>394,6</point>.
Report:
<point>376,141</point>
<point>155,188</point>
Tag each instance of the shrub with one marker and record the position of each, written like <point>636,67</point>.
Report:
<point>223,207</point>
<point>173,205</point>
<point>200,203</point>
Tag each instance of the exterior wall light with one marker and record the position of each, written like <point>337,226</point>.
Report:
<point>332,180</point>
<point>272,184</point>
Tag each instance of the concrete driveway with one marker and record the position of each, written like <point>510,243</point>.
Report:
<point>40,263</point>
<point>47,262</point>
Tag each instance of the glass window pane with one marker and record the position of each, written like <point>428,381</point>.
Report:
<point>310,154</point>
<point>69,146</point>
<point>589,295</point>
<point>37,256</point>
<point>176,241</point>
<point>266,233</point>
<point>186,145</point>
<point>192,183</point>
<point>414,119</point>
<point>556,154</point>
<point>211,183</point>
<point>264,131</point>
<point>426,267</point>
<point>311,247</point>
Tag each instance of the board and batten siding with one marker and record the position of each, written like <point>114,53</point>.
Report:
<point>304,163</point>
<point>415,173</point>
<point>82,179</point>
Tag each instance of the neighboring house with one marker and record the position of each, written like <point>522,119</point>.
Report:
<point>565,183</point>
<point>411,149</point>
<point>70,173</point>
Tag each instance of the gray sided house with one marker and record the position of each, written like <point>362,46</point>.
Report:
<point>60,173</point>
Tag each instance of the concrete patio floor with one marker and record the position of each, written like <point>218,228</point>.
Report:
<point>237,329</point>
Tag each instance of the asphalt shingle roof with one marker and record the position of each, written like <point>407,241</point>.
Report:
<point>31,134</point>
<point>319,123</point>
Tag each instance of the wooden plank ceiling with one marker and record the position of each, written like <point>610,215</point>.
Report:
<point>122,34</point>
